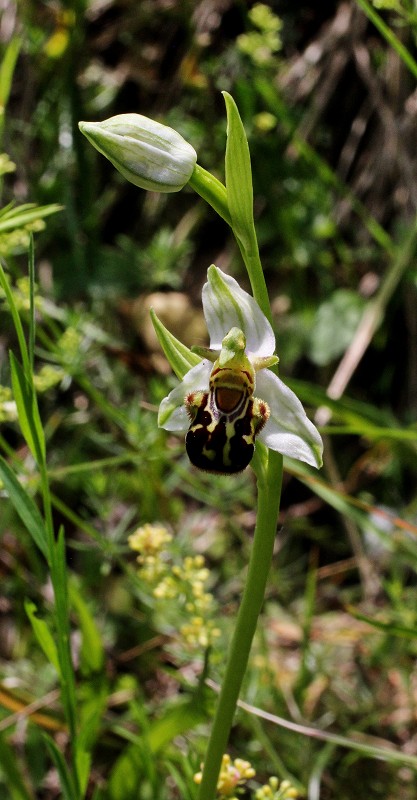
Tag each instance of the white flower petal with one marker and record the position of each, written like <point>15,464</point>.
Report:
<point>172,414</point>
<point>288,430</point>
<point>226,306</point>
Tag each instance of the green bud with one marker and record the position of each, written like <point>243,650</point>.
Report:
<point>147,153</point>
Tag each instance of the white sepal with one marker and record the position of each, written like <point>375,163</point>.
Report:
<point>288,430</point>
<point>228,306</point>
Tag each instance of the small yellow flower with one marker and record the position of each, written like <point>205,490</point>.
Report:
<point>184,582</point>
<point>47,377</point>
<point>233,774</point>
<point>274,790</point>
<point>149,540</point>
<point>166,589</point>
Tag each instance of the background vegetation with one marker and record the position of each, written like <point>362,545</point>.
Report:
<point>328,96</point>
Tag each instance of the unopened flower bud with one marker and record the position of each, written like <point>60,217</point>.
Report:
<point>147,153</point>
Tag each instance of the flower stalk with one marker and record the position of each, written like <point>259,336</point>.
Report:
<point>214,405</point>
<point>269,493</point>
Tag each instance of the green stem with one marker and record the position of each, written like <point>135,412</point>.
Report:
<point>211,190</point>
<point>389,36</point>
<point>215,194</point>
<point>269,493</point>
<point>252,260</point>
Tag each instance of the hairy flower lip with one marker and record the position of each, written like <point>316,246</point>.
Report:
<point>147,153</point>
<point>288,429</point>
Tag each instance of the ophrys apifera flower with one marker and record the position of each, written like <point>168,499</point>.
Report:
<point>231,397</point>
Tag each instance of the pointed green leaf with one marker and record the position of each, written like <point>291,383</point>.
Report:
<point>239,176</point>
<point>24,507</point>
<point>69,791</point>
<point>28,412</point>
<point>180,357</point>
<point>7,68</point>
<point>43,635</point>
<point>4,283</point>
<point>32,314</point>
<point>83,766</point>
<point>59,577</point>
<point>240,202</point>
<point>24,215</point>
<point>66,671</point>
<point>92,654</point>
<point>91,711</point>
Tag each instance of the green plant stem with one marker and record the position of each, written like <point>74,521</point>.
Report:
<point>269,493</point>
<point>389,36</point>
<point>214,192</point>
<point>252,260</point>
<point>211,190</point>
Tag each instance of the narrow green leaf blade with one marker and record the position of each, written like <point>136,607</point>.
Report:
<point>32,315</point>
<point>83,766</point>
<point>91,653</point>
<point>180,357</point>
<point>24,507</point>
<point>66,670</point>
<point>240,202</point>
<point>4,283</point>
<point>21,216</point>
<point>43,635</point>
<point>69,791</point>
<point>27,409</point>
<point>7,67</point>
<point>239,176</point>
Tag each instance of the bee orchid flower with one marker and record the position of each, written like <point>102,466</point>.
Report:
<point>231,396</point>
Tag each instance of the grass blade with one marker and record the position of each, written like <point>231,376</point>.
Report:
<point>69,791</point>
<point>24,507</point>
<point>28,412</point>
<point>43,635</point>
<point>59,582</point>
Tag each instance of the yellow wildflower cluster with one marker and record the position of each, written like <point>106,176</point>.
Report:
<point>274,790</point>
<point>233,780</point>
<point>149,541</point>
<point>233,774</point>
<point>69,345</point>
<point>185,582</point>
<point>47,377</point>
